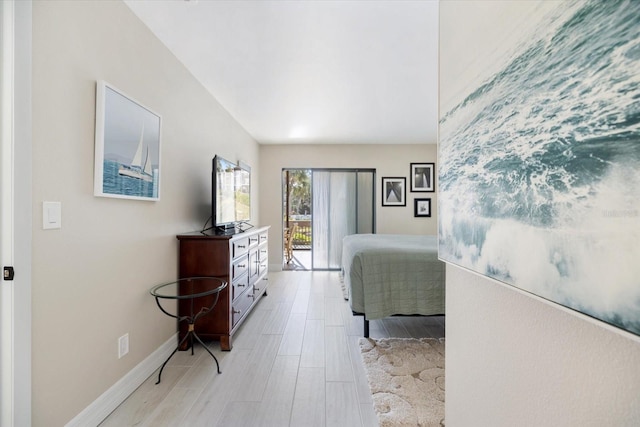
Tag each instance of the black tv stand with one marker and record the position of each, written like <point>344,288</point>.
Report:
<point>231,229</point>
<point>224,231</point>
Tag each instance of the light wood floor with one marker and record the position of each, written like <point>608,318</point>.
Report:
<point>294,362</point>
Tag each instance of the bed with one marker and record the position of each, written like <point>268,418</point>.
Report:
<point>387,274</point>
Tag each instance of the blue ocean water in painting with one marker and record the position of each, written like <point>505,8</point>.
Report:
<point>114,183</point>
<point>540,166</point>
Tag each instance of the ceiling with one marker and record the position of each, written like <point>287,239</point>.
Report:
<point>358,72</point>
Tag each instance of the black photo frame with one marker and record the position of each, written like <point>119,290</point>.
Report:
<point>394,191</point>
<point>423,177</point>
<point>422,208</point>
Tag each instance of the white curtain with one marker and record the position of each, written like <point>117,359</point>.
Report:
<point>340,199</point>
<point>320,182</point>
<point>366,203</point>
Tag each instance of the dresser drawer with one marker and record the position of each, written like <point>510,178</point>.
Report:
<point>239,267</point>
<point>238,286</point>
<point>254,240</point>
<point>263,260</point>
<point>241,305</point>
<point>263,237</point>
<point>260,286</point>
<point>263,253</point>
<point>239,247</point>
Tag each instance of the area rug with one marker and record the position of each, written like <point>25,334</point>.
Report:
<point>406,378</point>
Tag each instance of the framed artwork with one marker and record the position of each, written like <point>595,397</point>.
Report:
<point>394,191</point>
<point>127,147</point>
<point>541,191</point>
<point>422,207</point>
<point>422,177</point>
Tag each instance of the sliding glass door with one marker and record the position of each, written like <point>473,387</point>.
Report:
<point>343,203</point>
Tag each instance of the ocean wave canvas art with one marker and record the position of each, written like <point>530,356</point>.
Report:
<point>539,153</point>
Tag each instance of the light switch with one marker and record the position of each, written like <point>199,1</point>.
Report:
<point>51,215</point>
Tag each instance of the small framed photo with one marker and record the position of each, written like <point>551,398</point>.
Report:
<point>422,207</point>
<point>422,177</point>
<point>127,147</point>
<point>394,191</point>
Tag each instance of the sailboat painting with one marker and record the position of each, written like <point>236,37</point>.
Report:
<point>138,168</point>
<point>127,163</point>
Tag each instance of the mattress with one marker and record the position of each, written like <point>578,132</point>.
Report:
<point>387,274</point>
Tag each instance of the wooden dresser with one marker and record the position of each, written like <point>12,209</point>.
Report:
<point>242,259</point>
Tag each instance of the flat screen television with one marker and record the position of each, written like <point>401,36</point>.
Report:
<point>231,194</point>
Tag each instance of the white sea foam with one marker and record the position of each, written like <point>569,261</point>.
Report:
<point>539,176</point>
<point>590,263</point>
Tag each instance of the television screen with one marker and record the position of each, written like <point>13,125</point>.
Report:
<point>231,188</point>
<point>243,193</point>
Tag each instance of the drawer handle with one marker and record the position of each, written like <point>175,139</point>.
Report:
<point>263,251</point>
<point>242,266</point>
<point>241,246</point>
<point>241,286</point>
<point>236,311</point>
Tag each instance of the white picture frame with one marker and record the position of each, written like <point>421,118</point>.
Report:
<point>127,147</point>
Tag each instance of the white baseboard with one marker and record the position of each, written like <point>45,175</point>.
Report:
<point>95,413</point>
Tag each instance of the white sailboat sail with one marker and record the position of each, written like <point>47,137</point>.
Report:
<point>137,158</point>
<point>147,164</point>
<point>137,169</point>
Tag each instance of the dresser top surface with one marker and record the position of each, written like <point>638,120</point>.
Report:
<point>212,234</point>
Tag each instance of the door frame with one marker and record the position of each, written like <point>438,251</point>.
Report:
<point>16,211</point>
<point>373,171</point>
<point>285,206</point>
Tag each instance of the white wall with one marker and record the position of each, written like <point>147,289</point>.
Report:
<point>91,277</point>
<point>388,160</point>
<point>513,359</point>
<point>516,360</point>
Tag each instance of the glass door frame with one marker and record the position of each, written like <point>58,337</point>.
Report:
<point>285,214</point>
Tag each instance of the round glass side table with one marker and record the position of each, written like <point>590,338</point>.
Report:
<point>187,290</point>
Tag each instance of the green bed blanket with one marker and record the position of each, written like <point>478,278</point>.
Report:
<point>387,274</point>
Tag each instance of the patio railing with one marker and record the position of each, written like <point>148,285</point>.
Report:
<point>302,236</point>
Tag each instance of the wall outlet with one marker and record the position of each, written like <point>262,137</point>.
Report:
<point>123,345</point>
